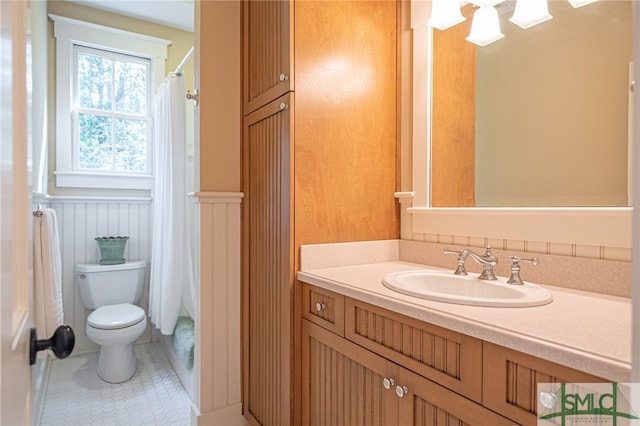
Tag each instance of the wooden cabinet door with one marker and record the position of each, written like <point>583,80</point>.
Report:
<point>511,378</point>
<point>425,403</point>
<point>267,263</point>
<point>342,383</point>
<point>267,51</point>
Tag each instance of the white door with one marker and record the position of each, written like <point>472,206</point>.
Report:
<point>15,217</point>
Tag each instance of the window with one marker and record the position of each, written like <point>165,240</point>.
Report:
<point>111,114</point>
<point>105,81</point>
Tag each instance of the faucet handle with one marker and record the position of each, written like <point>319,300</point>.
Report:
<point>515,268</point>
<point>462,256</point>
<point>449,251</point>
<point>488,255</point>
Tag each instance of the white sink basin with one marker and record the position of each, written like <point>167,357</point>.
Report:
<point>443,286</point>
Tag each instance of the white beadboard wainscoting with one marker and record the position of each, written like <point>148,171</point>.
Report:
<point>80,220</point>
<point>217,359</point>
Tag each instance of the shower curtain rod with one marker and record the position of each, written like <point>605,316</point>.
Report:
<point>178,70</point>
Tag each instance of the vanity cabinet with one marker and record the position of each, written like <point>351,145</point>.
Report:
<point>318,166</point>
<point>434,376</point>
<point>346,384</point>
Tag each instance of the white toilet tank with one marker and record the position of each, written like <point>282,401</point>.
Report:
<point>101,285</point>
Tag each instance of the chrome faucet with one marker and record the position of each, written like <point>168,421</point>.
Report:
<point>487,260</point>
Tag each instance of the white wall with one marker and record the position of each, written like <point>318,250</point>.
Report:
<point>217,358</point>
<point>80,220</point>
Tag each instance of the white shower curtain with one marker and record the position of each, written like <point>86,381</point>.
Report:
<point>169,246</point>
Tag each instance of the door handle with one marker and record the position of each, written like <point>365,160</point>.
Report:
<point>62,343</point>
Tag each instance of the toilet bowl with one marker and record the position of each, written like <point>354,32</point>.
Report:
<point>115,328</point>
<point>116,322</point>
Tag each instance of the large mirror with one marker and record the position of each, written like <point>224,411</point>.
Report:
<point>538,118</point>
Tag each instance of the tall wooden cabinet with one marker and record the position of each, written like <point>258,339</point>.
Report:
<point>267,262</point>
<point>319,166</point>
<point>268,49</point>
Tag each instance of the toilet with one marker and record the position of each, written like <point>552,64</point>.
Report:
<point>116,322</point>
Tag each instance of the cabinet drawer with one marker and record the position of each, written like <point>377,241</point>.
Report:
<point>443,356</point>
<point>323,307</point>
<point>510,380</point>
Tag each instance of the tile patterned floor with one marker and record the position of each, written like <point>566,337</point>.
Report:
<point>76,396</point>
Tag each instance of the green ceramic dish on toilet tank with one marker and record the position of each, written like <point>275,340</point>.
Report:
<point>111,249</point>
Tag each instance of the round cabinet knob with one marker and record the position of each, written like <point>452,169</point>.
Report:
<point>387,383</point>
<point>401,391</point>
<point>319,306</point>
<point>284,77</point>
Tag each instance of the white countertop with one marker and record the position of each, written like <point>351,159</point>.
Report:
<point>587,331</point>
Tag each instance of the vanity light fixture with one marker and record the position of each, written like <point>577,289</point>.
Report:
<point>445,14</point>
<point>485,27</point>
<point>530,12</point>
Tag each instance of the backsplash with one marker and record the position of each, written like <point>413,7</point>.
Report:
<point>561,265</point>
<point>534,247</point>
<point>571,271</point>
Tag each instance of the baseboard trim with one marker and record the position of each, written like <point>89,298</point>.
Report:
<point>41,389</point>
<point>227,416</point>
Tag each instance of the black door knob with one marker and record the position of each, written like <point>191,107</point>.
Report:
<point>61,343</point>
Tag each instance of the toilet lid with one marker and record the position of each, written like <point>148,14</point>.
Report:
<point>112,317</point>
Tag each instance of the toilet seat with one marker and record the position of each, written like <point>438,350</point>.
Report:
<point>112,317</point>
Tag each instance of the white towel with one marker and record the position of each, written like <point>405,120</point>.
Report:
<point>47,280</point>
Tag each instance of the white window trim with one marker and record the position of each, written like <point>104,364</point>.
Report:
<point>68,32</point>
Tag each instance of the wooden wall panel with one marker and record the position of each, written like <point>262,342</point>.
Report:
<point>345,124</point>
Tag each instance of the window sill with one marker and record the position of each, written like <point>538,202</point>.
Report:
<point>103,180</point>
